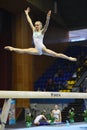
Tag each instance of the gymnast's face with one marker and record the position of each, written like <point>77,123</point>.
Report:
<point>38,25</point>
<point>56,107</point>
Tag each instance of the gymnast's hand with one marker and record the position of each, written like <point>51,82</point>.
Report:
<point>49,13</point>
<point>27,10</point>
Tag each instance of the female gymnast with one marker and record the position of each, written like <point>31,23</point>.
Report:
<point>38,119</point>
<point>56,114</point>
<point>38,35</point>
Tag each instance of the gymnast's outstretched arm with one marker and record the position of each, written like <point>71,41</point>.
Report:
<point>27,11</point>
<point>47,22</point>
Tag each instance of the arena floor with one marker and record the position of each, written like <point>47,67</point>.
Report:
<point>74,126</point>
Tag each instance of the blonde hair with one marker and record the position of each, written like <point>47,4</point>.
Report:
<point>40,23</point>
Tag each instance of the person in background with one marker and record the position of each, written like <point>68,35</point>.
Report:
<point>50,85</point>
<point>56,113</point>
<point>39,118</point>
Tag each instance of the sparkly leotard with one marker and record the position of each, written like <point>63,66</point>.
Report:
<point>38,41</point>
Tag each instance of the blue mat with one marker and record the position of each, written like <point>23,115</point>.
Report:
<point>57,127</point>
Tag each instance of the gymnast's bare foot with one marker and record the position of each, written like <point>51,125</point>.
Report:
<point>72,59</point>
<point>9,48</point>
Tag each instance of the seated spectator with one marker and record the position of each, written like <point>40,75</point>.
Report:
<point>60,86</point>
<point>59,73</point>
<point>51,85</point>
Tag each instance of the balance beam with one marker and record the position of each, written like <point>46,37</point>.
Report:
<point>41,95</point>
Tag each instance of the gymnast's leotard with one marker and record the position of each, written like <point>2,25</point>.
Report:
<point>38,118</point>
<point>56,114</point>
<point>38,41</point>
